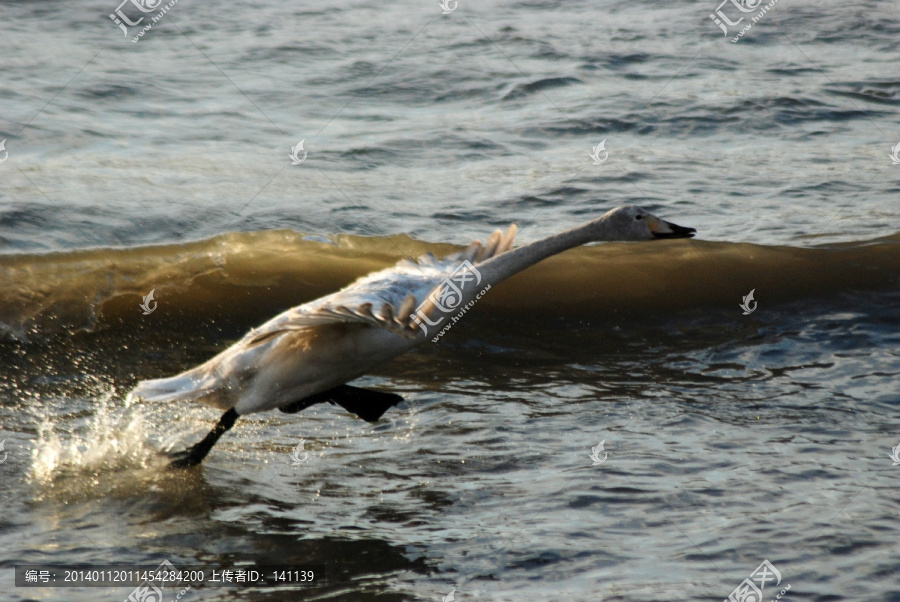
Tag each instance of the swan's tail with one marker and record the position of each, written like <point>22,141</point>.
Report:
<point>193,385</point>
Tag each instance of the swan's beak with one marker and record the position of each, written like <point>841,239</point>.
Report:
<point>663,229</point>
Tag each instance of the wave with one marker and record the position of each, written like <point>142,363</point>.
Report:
<point>245,278</point>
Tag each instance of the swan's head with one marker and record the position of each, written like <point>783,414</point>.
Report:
<point>633,223</point>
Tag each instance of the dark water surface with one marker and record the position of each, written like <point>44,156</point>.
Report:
<point>729,439</point>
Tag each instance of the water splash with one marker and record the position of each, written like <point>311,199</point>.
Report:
<point>113,439</point>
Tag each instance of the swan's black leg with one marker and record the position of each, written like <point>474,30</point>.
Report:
<point>365,403</point>
<point>195,453</point>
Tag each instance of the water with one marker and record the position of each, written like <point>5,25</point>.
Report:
<point>731,439</point>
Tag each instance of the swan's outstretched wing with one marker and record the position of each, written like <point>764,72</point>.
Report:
<point>393,320</point>
<point>384,299</point>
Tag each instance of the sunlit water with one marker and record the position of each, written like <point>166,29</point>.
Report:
<point>728,439</point>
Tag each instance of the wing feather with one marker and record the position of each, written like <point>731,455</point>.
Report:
<point>508,239</point>
<point>339,314</point>
<point>493,244</point>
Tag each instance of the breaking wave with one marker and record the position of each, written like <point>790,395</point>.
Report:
<point>244,278</point>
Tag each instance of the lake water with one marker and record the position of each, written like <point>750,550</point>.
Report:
<point>729,438</point>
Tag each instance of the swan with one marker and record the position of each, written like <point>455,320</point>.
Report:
<point>307,354</point>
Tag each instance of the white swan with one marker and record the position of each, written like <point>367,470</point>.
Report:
<point>306,354</point>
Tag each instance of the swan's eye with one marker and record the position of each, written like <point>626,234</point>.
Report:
<point>639,217</point>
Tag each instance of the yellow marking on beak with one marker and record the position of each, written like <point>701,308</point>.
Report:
<point>656,225</point>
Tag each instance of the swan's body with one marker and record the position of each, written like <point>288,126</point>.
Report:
<point>307,353</point>
<point>316,346</point>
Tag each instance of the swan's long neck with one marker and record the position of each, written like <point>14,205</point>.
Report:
<point>503,266</point>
